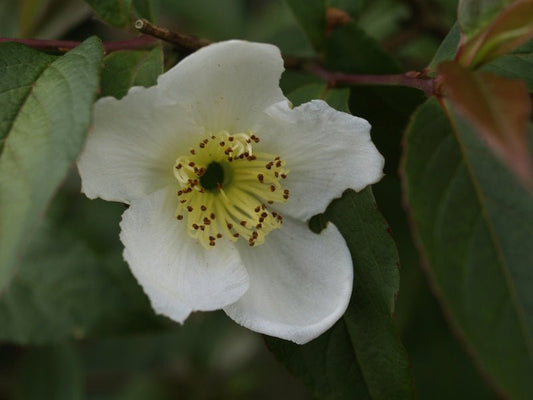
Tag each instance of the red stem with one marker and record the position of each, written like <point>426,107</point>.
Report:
<point>414,80</point>
<point>62,46</point>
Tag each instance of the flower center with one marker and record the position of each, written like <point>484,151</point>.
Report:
<point>226,188</point>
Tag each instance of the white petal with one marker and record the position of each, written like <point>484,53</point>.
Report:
<point>176,272</point>
<point>227,85</point>
<point>300,283</point>
<point>326,151</point>
<point>133,145</point>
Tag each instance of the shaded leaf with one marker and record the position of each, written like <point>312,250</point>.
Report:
<point>311,15</point>
<point>515,65</point>
<point>52,373</point>
<point>498,108</point>
<point>473,222</point>
<point>114,12</point>
<point>124,69</point>
<point>361,356</point>
<point>509,30</point>
<point>350,49</point>
<point>148,9</point>
<point>448,48</point>
<point>474,15</point>
<point>64,290</point>
<point>49,108</point>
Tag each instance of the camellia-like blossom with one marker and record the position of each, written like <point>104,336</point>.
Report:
<point>221,175</point>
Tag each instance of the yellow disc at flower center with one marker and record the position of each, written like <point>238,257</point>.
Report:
<point>226,188</point>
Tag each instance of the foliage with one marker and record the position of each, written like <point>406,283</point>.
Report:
<point>456,199</point>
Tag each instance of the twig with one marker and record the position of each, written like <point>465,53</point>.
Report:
<point>410,79</point>
<point>62,46</point>
<point>187,43</point>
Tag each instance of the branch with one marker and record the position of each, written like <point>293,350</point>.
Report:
<point>410,79</point>
<point>62,46</point>
<point>186,43</point>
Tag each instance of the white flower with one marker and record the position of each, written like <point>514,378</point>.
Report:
<point>221,176</point>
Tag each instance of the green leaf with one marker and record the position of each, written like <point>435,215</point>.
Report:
<point>350,49</point>
<point>115,12</point>
<point>448,48</point>
<point>337,98</point>
<point>52,373</point>
<point>361,356</point>
<point>473,223</point>
<point>148,9</point>
<point>498,108</point>
<point>64,290</point>
<point>311,15</point>
<point>474,15</point>
<point>48,112</point>
<point>124,69</point>
<point>510,29</point>
<point>515,65</point>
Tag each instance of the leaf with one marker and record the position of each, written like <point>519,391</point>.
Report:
<point>311,15</point>
<point>64,290</point>
<point>115,12</point>
<point>512,28</point>
<point>498,108</point>
<point>473,224</point>
<point>515,65</point>
<point>48,112</point>
<point>52,373</point>
<point>350,49</point>
<point>448,48</point>
<point>148,9</point>
<point>361,356</point>
<point>474,15</point>
<point>124,69</point>
<point>336,98</point>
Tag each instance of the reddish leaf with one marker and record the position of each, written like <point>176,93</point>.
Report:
<point>512,28</point>
<point>498,108</point>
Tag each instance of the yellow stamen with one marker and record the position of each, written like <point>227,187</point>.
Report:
<point>225,189</point>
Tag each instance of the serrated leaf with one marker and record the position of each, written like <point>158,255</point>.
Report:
<point>509,30</point>
<point>474,15</point>
<point>115,12</point>
<point>498,108</point>
<point>52,373</point>
<point>42,137</point>
<point>473,223</point>
<point>361,356</point>
<point>124,69</point>
<point>311,15</point>
<point>515,65</point>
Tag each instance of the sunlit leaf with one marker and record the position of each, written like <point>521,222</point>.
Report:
<point>498,108</point>
<point>45,112</point>
<point>473,223</point>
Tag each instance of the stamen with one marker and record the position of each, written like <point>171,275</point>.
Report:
<point>225,186</point>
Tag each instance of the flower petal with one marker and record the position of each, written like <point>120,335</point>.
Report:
<point>326,151</point>
<point>300,283</point>
<point>176,272</point>
<point>133,144</point>
<point>226,85</point>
